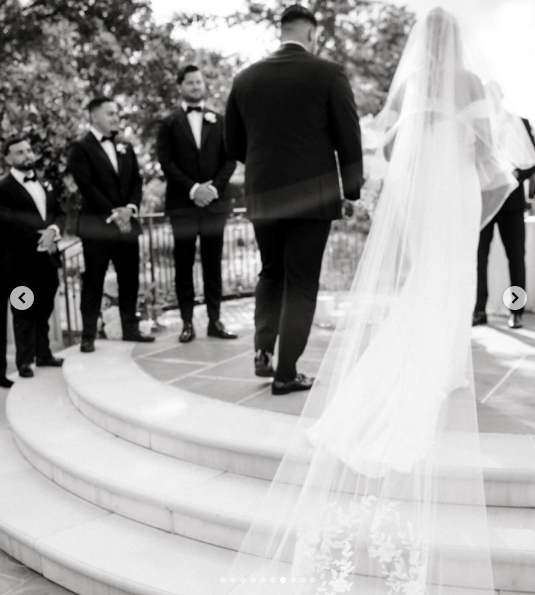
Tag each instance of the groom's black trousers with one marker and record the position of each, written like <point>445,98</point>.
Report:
<point>513,235</point>
<point>291,251</point>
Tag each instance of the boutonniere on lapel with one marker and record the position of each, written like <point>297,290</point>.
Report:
<point>210,117</point>
<point>120,148</point>
<point>48,186</point>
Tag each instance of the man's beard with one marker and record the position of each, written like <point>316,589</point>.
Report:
<point>193,100</point>
<point>26,166</point>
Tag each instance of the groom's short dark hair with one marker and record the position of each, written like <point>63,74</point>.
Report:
<point>96,102</point>
<point>296,12</point>
<point>183,71</point>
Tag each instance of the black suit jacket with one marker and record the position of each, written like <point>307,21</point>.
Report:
<point>184,164</point>
<point>287,115</point>
<point>517,199</point>
<point>102,188</point>
<point>20,222</point>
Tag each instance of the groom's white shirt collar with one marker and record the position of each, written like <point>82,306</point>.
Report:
<point>294,43</point>
<point>98,135</point>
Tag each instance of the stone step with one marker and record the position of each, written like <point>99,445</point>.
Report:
<point>113,392</point>
<point>90,551</point>
<point>198,502</point>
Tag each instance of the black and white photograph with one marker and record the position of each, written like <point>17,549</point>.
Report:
<point>267,274</point>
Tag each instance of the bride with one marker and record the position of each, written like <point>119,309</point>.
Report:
<point>381,490</point>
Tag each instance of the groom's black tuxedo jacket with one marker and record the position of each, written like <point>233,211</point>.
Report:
<point>20,222</point>
<point>184,164</point>
<point>287,115</point>
<point>102,188</point>
<point>517,199</point>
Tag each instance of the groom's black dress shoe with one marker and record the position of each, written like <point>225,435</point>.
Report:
<point>300,382</point>
<point>138,338</point>
<point>479,318</point>
<point>6,382</point>
<point>263,364</point>
<point>53,362</point>
<point>515,321</point>
<point>188,333</point>
<point>87,346</point>
<point>25,371</point>
<point>217,329</point>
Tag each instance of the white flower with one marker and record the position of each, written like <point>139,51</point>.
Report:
<point>110,314</point>
<point>113,329</point>
<point>210,117</point>
<point>340,585</point>
<point>47,186</point>
<point>120,148</point>
<point>385,550</point>
<point>145,327</point>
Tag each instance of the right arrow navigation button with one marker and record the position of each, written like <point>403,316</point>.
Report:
<point>515,298</point>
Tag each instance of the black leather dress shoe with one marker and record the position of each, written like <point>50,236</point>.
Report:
<point>188,333</point>
<point>263,364</point>
<point>479,318</point>
<point>515,321</point>
<point>6,382</point>
<point>300,382</point>
<point>217,329</point>
<point>25,371</point>
<point>138,338</point>
<point>53,362</point>
<point>87,346</point>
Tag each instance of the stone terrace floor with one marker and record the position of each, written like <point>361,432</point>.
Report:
<point>504,363</point>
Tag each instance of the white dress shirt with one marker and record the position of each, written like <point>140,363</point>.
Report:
<point>195,120</point>
<point>294,42</point>
<point>111,152</point>
<point>38,193</point>
<point>108,146</point>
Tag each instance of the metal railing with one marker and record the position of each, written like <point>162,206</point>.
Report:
<point>240,266</point>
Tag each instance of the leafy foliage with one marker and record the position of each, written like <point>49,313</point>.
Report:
<point>57,54</point>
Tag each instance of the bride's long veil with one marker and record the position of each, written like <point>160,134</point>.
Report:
<point>381,488</point>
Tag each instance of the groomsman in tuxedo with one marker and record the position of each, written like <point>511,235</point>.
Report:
<point>106,172</point>
<point>31,223</point>
<point>191,151</point>
<point>510,222</point>
<point>290,118</point>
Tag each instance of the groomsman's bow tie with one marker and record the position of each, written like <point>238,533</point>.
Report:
<point>193,108</point>
<point>31,177</point>
<point>105,138</point>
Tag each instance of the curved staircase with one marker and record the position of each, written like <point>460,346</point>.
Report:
<point>113,482</point>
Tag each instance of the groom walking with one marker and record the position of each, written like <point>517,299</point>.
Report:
<point>288,117</point>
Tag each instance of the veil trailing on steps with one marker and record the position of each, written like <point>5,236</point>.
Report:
<point>381,490</point>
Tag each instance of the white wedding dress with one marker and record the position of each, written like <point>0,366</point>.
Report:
<point>380,491</point>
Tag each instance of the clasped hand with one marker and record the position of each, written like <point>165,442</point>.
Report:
<point>204,195</point>
<point>47,241</point>
<point>121,217</point>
